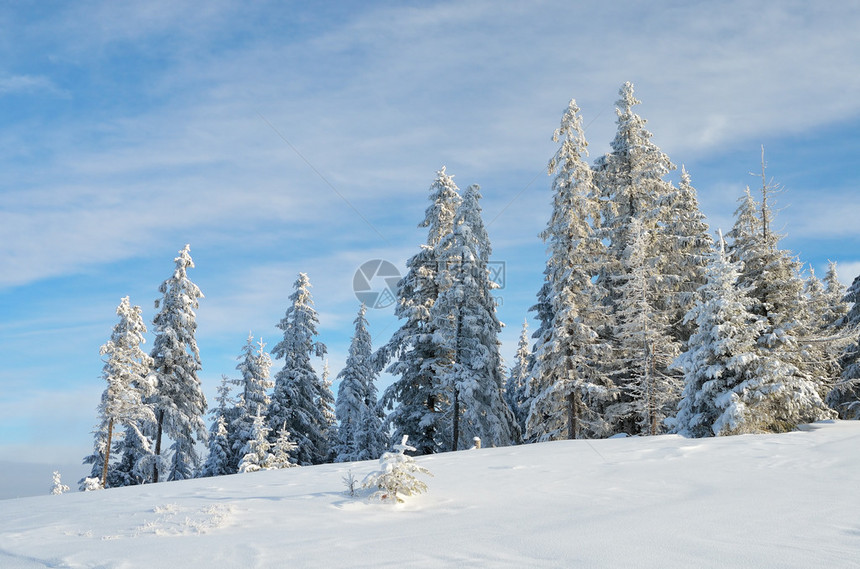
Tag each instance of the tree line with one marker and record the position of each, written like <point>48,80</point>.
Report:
<point>646,325</point>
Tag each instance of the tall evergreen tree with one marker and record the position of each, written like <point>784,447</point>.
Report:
<point>688,248</point>
<point>178,400</point>
<point>125,371</point>
<point>776,288</point>
<point>569,389</point>
<point>631,185</point>
<point>643,346</point>
<point>360,435</point>
<point>417,399</point>
<point>465,329</point>
<point>296,400</point>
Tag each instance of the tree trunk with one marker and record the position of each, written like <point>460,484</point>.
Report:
<point>107,453</point>
<point>456,419</point>
<point>159,422</point>
<point>572,412</point>
<point>430,431</point>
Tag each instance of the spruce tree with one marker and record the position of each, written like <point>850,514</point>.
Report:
<point>254,366</point>
<point>772,276</point>
<point>255,453</point>
<point>359,435</point>
<point>688,248</point>
<point>227,417</point>
<point>466,329</point>
<point>644,346</point>
<point>631,184</point>
<point>282,450</point>
<point>516,388</point>
<point>218,461</point>
<point>845,396</point>
<point>721,363</point>
<point>296,400</point>
<point>178,400</point>
<point>417,399</point>
<point>568,389</point>
<point>125,371</point>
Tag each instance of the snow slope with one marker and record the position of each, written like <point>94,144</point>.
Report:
<point>785,500</point>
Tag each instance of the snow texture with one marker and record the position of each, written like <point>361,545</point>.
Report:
<point>766,501</point>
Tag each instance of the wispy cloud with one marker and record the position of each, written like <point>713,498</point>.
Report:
<point>26,84</point>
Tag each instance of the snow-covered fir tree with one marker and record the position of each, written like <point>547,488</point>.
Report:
<point>824,330</point>
<point>254,366</point>
<point>417,399</point>
<point>772,276</point>
<point>219,460</point>
<point>136,457</point>
<point>568,390</point>
<point>465,330</point>
<point>229,413</point>
<point>516,388</point>
<point>122,405</point>
<point>688,248</point>
<point>845,396</point>
<point>299,391</point>
<point>836,309</point>
<point>631,184</point>
<point>255,453</point>
<point>327,403</point>
<point>58,487</point>
<point>178,400</point>
<point>360,435</point>
<point>644,346</point>
<point>721,364</point>
<point>283,448</point>
<point>397,475</point>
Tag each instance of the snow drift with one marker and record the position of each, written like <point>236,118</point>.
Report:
<point>785,500</point>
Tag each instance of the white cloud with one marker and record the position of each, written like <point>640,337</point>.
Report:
<point>26,84</point>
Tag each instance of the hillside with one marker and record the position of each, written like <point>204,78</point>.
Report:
<point>786,500</point>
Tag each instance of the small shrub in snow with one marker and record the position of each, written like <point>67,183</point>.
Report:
<point>91,483</point>
<point>59,487</point>
<point>350,482</point>
<point>397,476</point>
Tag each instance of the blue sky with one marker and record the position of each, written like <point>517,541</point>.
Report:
<point>278,137</point>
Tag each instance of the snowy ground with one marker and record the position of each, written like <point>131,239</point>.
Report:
<point>782,501</point>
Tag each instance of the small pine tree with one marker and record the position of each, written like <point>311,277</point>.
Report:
<point>282,451</point>
<point>58,487</point>
<point>256,455</point>
<point>220,454</point>
<point>518,379</point>
<point>91,484</point>
<point>397,477</point>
